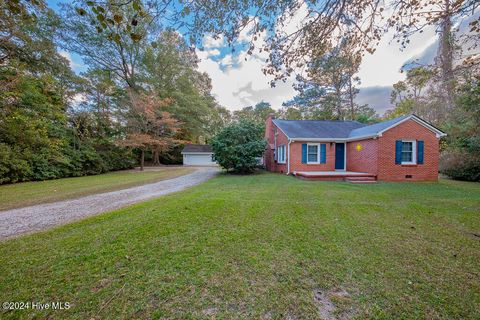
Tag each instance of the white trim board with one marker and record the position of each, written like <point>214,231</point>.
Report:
<point>284,153</point>
<point>414,152</point>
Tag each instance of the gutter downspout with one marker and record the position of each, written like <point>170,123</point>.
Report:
<point>288,153</point>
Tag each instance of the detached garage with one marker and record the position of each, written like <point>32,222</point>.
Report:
<point>198,155</point>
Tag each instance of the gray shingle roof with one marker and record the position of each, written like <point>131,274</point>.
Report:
<point>317,128</point>
<point>197,148</point>
<point>375,128</point>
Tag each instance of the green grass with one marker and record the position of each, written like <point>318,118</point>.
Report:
<point>253,247</point>
<point>30,193</point>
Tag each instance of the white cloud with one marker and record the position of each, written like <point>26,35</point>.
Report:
<point>292,23</point>
<point>237,83</point>
<point>68,56</point>
<point>210,42</point>
<point>383,67</point>
<point>213,52</point>
<point>238,80</point>
<point>77,100</point>
<point>227,60</point>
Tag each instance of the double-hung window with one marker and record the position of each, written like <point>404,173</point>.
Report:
<point>281,154</point>
<point>409,152</point>
<point>313,153</point>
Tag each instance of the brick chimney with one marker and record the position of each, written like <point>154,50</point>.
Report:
<point>269,132</point>
<point>270,137</point>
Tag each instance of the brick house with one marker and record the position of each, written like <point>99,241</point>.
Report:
<point>404,148</point>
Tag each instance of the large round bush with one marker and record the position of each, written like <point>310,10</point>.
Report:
<point>238,146</point>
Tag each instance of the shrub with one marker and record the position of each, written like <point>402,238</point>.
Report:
<point>44,164</point>
<point>17,164</point>
<point>238,146</point>
<point>91,161</point>
<point>12,167</point>
<point>117,158</point>
<point>460,165</point>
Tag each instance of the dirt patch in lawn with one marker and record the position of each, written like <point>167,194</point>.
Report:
<point>475,235</point>
<point>333,304</point>
<point>210,312</point>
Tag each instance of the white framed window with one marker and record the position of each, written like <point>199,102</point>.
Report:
<point>409,152</point>
<point>281,152</point>
<point>313,153</point>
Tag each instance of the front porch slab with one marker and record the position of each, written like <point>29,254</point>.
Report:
<point>335,175</point>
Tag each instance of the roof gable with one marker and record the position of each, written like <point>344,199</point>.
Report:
<point>378,128</point>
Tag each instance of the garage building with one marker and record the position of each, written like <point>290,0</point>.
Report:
<point>198,155</point>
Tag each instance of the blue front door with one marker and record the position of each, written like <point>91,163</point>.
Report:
<point>339,156</point>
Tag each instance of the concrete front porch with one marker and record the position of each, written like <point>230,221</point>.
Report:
<point>350,176</point>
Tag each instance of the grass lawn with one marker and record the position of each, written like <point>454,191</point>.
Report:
<point>260,247</point>
<point>29,193</point>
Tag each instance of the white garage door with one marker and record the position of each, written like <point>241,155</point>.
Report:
<point>198,160</point>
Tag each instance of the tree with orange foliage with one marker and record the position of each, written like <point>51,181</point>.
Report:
<point>149,127</point>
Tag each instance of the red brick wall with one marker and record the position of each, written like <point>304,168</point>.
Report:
<point>268,159</point>
<point>364,160</point>
<point>269,134</point>
<point>377,155</point>
<point>271,131</point>
<point>296,158</point>
<point>389,171</point>
<point>295,153</point>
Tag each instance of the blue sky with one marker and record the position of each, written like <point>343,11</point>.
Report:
<point>238,83</point>
<point>76,62</point>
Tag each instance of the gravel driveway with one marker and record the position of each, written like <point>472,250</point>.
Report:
<point>43,216</point>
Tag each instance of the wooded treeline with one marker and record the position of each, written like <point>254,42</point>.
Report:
<point>143,96</point>
<point>142,93</point>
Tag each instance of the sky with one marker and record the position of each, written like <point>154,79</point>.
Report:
<point>238,81</point>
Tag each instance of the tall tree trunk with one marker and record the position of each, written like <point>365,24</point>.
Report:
<point>445,59</point>
<point>142,159</point>
<point>350,94</point>
<point>156,156</point>
<point>338,93</point>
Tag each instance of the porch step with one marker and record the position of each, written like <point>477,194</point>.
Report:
<point>362,182</point>
<point>362,178</point>
<point>368,179</point>
<point>349,176</point>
